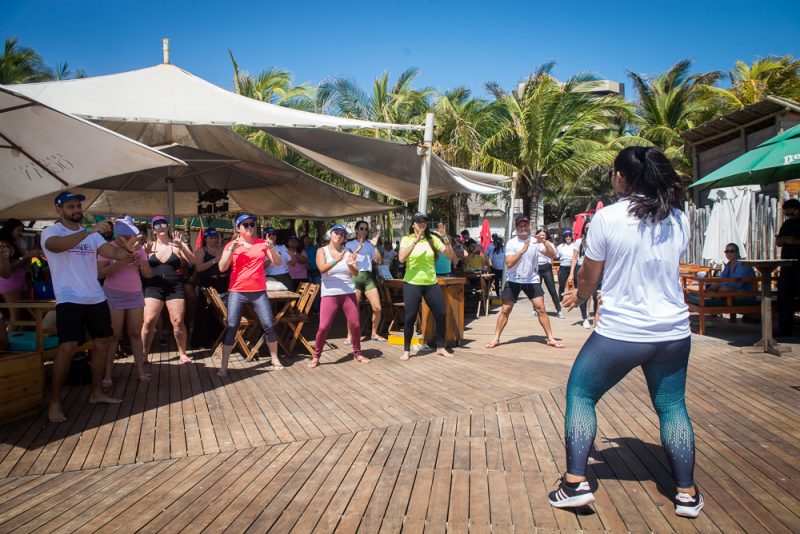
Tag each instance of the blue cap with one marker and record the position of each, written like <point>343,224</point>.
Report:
<point>566,232</point>
<point>210,232</point>
<point>270,230</point>
<point>125,227</point>
<point>158,219</point>
<point>243,217</point>
<point>338,228</point>
<point>67,195</point>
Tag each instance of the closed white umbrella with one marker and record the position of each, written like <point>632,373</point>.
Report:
<point>43,151</point>
<point>729,221</point>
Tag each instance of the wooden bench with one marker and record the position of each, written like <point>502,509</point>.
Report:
<point>703,301</point>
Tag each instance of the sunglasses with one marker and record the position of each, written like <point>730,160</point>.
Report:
<point>362,228</point>
<point>731,251</point>
<point>272,233</point>
<point>248,224</point>
<point>160,225</point>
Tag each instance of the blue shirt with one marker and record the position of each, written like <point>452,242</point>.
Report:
<point>443,265</point>
<point>739,271</point>
<point>498,258</point>
<point>311,252</point>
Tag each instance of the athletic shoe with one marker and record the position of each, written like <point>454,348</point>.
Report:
<point>688,506</point>
<point>534,314</point>
<point>571,497</point>
<point>561,314</point>
<point>586,323</point>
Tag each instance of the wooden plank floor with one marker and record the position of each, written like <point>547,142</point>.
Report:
<point>469,444</point>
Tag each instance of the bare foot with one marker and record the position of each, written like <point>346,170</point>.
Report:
<point>555,344</point>
<point>406,355</point>
<point>444,352</point>
<point>222,373</point>
<point>492,344</point>
<point>107,383</point>
<point>361,359</point>
<point>184,359</point>
<point>145,377</point>
<point>313,363</point>
<point>103,399</point>
<point>55,414</point>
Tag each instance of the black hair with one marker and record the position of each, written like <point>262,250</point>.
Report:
<point>499,247</point>
<point>429,238</point>
<point>365,222</point>
<point>546,234</point>
<point>654,187</point>
<point>792,203</point>
<point>584,235</point>
<point>734,245</point>
<point>6,235</point>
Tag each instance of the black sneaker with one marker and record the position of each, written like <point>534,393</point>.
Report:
<point>688,506</point>
<point>571,497</point>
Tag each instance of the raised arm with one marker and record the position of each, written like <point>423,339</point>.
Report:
<point>66,242</point>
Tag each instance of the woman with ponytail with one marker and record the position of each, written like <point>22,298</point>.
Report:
<point>419,250</point>
<point>635,246</point>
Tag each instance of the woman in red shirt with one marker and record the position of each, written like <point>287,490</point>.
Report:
<point>245,256</point>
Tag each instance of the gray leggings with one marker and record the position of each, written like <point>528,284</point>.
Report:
<point>260,303</point>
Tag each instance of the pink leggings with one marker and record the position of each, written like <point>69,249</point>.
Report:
<point>327,311</point>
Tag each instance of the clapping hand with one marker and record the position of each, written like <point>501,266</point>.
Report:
<point>150,247</point>
<point>441,229</point>
<point>270,243</point>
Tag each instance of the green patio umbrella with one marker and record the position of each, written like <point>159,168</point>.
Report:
<point>774,160</point>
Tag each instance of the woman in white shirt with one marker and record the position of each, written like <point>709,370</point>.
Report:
<point>564,253</point>
<point>338,267</point>
<point>635,245</point>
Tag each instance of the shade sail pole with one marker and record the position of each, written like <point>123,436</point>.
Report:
<point>509,221</point>
<point>427,150</point>
<point>171,201</point>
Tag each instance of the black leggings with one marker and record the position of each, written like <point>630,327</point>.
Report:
<point>546,278</point>
<point>563,274</point>
<point>497,280</point>
<point>412,296</point>
<point>584,314</point>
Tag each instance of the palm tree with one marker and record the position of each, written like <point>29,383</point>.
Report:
<point>673,102</point>
<point>20,64</point>
<point>772,75</point>
<point>398,104</point>
<point>552,132</point>
<point>63,72</point>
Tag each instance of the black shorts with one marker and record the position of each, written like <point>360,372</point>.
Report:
<point>512,289</point>
<point>162,289</point>
<point>74,320</point>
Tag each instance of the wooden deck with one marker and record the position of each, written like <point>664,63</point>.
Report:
<point>428,445</point>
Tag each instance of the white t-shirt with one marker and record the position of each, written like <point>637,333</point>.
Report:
<point>542,259</point>
<point>576,245</point>
<point>388,257</point>
<point>642,295</point>
<point>338,280</point>
<point>366,255</point>
<point>74,272</point>
<point>283,268</point>
<point>565,253</point>
<point>526,270</point>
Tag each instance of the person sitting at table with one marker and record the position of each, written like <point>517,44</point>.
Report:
<point>474,262</point>
<point>298,262</point>
<point>419,250</point>
<point>13,287</point>
<point>365,279</point>
<point>338,267</point>
<point>123,290</point>
<point>166,285</point>
<point>733,269</point>
<point>81,305</point>
<point>245,256</point>
<point>523,275</point>
<point>278,269</point>
<point>496,252</point>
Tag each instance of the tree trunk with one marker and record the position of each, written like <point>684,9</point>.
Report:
<point>463,211</point>
<point>319,226</point>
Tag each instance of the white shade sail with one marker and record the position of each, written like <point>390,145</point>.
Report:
<point>166,93</point>
<point>43,151</point>
<point>390,167</point>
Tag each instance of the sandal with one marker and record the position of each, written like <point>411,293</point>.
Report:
<point>378,338</point>
<point>277,366</point>
<point>313,363</point>
<point>348,342</point>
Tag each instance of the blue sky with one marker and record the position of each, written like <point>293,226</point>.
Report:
<point>452,43</point>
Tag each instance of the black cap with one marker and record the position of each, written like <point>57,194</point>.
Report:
<point>419,216</point>
<point>520,218</point>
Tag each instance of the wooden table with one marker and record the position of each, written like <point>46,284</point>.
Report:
<point>485,280</point>
<point>38,309</point>
<point>453,291</point>
<point>765,267</point>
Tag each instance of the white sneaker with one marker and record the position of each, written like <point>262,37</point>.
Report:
<point>561,314</point>
<point>688,506</point>
<point>586,323</point>
<point>534,314</point>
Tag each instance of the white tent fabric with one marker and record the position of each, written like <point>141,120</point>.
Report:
<point>389,167</point>
<point>482,177</point>
<point>729,221</point>
<point>166,93</point>
<point>43,151</point>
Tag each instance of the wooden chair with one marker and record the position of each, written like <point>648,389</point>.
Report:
<point>294,316</point>
<point>246,326</point>
<point>392,309</point>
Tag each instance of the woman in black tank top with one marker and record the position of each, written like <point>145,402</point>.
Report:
<point>165,285</point>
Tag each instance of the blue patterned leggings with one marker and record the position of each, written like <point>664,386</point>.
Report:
<point>601,363</point>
